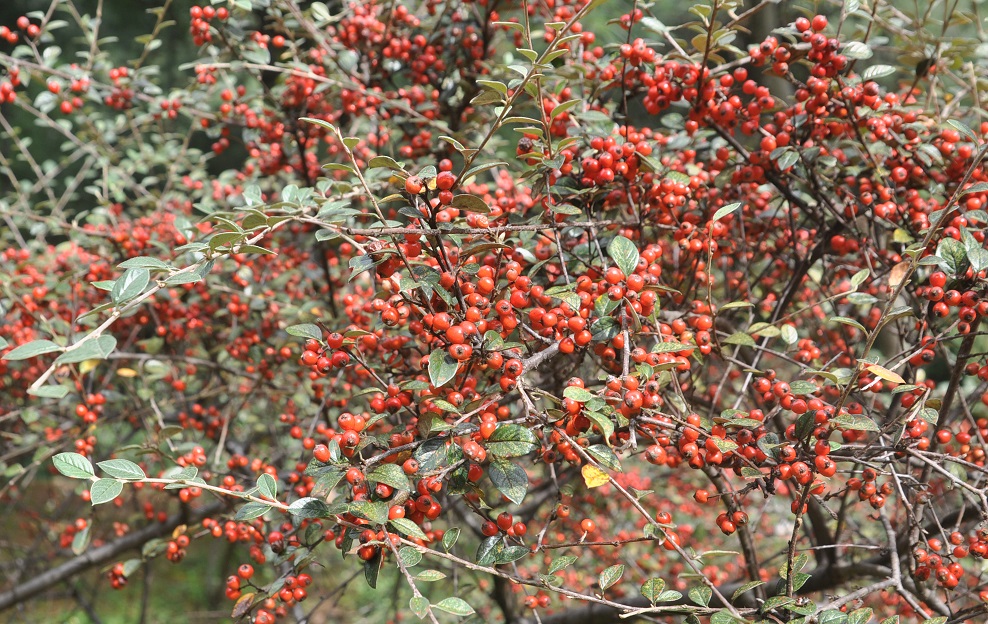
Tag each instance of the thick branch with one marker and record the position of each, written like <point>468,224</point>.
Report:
<point>104,554</point>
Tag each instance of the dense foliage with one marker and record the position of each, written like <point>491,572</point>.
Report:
<point>548,315</point>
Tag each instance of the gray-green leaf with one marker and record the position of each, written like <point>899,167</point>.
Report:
<point>624,253</point>
<point>130,284</point>
<point>73,465</point>
<point>104,490</point>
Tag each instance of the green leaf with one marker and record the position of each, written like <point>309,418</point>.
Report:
<point>775,602</point>
<point>603,422</point>
<point>385,162</point>
<point>843,320</point>
<point>510,478</point>
<point>305,330</point>
<point>144,262</point>
<point>500,87</point>
<point>49,392</point>
<point>442,367</point>
<point>390,474</point>
<point>430,576</point>
<point>561,563</point>
<point>604,305</point>
<point>409,528</point>
<point>670,347</point>
<point>182,278</point>
<point>372,570</point>
<point>93,349</point>
<point>450,537</point>
<point>764,329</point>
<point>977,256</point>
<point>652,588</point>
<point>603,454</point>
<point>954,256</point>
<point>786,159</point>
<point>489,549</point>
<point>799,579</point>
<point>857,50</point>
<point>73,465</point>
<point>32,349</point>
<point>309,507</point>
<point>835,616</point>
<point>267,486</point>
<point>456,606</point>
<point>121,469</point>
<point>419,606</point>
<point>360,264</point>
<point>802,387</point>
<point>375,512</point>
<point>610,576</point>
<point>437,453</point>
<point>724,445</point>
<point>80,541</point>
<point>725,210</point>
<point>878,71</point>
<point>104,490</point>
<point>961,127</point>
<point>859,278</point>
<point>487,97</point>
<point>605,329</point>
<point>512,553</point>
<point>740,338</point>
<point>701,595</point>
<point>930,415</point>
<point>856,422</point>
<point>724,617</point>
<point>578,394</point>
<point>860,616</point>
<point>409,556</point>
<point>250,511</point>
<point>789,334</point>
<point>746,587</point>
<point>735,304</point>
<point>797,564</point>
<point>624,253</point>
<point>130,284</point>
<point>563,107</point>
<point>320,122</point>
<point>182,473</point>
<point>858,298</point>
<point>470,203</point>
<point>512,441</point>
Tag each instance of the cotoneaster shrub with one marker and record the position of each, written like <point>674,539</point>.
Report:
<point>551,316</point>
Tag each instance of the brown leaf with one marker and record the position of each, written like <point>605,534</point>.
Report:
<point>898,274</point>
<point>243,605</point>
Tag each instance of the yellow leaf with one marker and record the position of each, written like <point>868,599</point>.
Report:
<point>87,365</point>
<point>594,476</point>
<point>126,372</point>
<point>886,374</point>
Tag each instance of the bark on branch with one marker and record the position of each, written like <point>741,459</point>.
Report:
<point>103,554</point>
